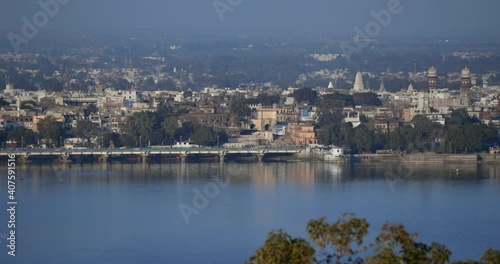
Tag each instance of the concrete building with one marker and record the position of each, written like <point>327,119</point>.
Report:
<point>302,134</point>
<point>264,118</point>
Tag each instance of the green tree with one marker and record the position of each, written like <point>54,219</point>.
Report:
<point>345,237</point>
<point>408,137</point>
<point>336,134</point>
<point>305,95</point>
<point>379,141</point>
<point>142,126</point>
<point>344,242</point>
<point>423,125</point>
<point>330,110</point>
<point>366,99</point>
<point>396,245</point>
<point>21,135</point>
<point>170,126</point>
<point>264,99</point>
<point>114,138</point>
<point>474,136</point>
<point>239,111</point>
<point>280,247</point>
<point>395,140</point>
<point>459,117</point>
<point>185,131</point>
<point>491,256</point>
<point>204,136</point>
<point>51,131</point>
<point>363,139</point>
<point>3,137</point>
<point>85,129</point>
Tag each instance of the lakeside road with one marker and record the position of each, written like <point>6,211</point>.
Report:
<point>258,153</point>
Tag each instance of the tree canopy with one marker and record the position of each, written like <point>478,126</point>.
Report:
<point>344,241</point>
<point>239,110</point>
<point>305,95</point>
<point>20,135</point>
<point>51,130</point>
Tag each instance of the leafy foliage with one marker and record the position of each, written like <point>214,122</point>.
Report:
<point>50,130</point>
<point>239,110</point>
<point>20,135</point>
<point>344,242</point>
<point>280,247</point>
<point>264,99</point>
<point>305,95</point>
<point>204,136</point>
<point>366,99</point>
<point>170,126</point>
<point>347,231</point>
<point>84,129</point>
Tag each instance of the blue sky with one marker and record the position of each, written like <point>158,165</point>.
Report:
<point>331,17</point>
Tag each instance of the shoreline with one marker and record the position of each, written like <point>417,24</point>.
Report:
<point>426,158</point>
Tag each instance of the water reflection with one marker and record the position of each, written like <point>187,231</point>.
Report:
<point>262,175</point>
<point>124,203</point>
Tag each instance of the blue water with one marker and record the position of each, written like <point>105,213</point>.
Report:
<point>129,213</point>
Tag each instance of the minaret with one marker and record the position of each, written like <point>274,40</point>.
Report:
<point>485,79</point>
<point>359,86</point>
<point>432,78</point>
<point>466,81</point>
<point>466,84</point>
<point>18,106</point>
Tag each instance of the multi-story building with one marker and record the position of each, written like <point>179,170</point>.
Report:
<point>302,134</point>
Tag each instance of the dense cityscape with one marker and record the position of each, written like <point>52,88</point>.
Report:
<point>107,98</point>
<point>258,132</point>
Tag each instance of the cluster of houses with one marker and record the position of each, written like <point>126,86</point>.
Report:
<point>285,123</point>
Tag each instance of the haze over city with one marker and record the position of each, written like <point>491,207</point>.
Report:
<point>336,18</point>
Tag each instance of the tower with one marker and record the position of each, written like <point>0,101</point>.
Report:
<point>359,86</point>
<point>18,106</point>
<point>485,79</point>
<point>466,81</point>
<point>382,86</point>
<point>466,84</point>
<point>432,78</point>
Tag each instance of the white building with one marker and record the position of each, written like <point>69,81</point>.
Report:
<point>359,86</point>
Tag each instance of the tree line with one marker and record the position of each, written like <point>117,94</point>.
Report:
<point>161,127</point>
<point>460,134</point>
<point>344,241</point>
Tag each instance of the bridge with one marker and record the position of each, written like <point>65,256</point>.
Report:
<point>65,155</point>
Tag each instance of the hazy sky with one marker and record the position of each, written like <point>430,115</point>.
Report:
<point>333,17</point>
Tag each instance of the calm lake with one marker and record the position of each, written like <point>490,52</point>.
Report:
<point>132,213</point>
